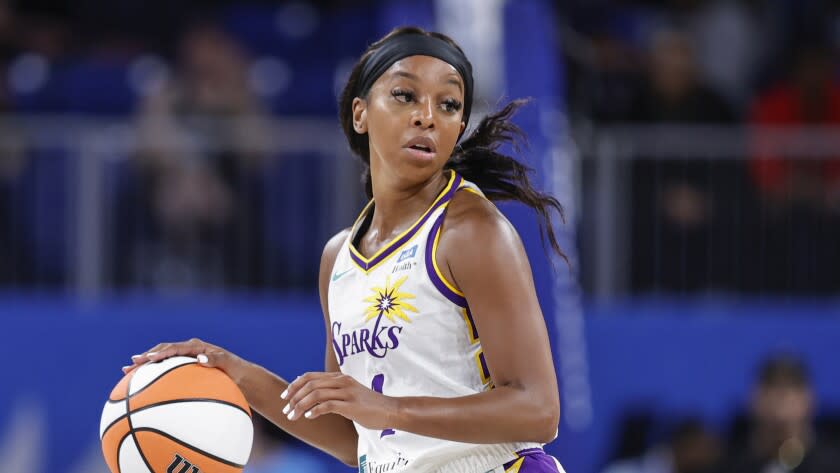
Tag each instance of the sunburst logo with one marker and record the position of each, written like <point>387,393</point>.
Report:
<point>389,301</point>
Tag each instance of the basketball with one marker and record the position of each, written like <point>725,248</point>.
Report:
<point>176,416</point>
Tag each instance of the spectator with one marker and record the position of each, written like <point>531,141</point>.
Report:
<point>690,448</point>
<point>681,207</point>
<point>781,436</point>
<point>204,136</point>
<point>729,44</point>
<point>798,208</point>
<point>15,264</point>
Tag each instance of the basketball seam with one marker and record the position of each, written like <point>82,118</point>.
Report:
<point>128,390</point>
<point>187,445</point>
<point>154,380</point>
<point>131,425</point>
<point>119,448</point>
<point>174,401</point>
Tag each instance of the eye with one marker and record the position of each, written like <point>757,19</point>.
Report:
<point>404,96</point>
<point>451,105</point>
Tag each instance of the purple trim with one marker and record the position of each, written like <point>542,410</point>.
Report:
<point>410,234</point>
<point>529,451</point>
<point>536,461</point>
<point>356,259</point>
<point>485,371</point>
<point>430,268</point>
<point>472,324</point>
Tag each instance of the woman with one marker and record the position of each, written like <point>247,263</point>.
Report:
<point>409,385</point>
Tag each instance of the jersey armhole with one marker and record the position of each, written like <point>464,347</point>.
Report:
<point>474,191</point>
<point>446,288</point>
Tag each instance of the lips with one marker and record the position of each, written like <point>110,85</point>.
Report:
<point>422,144</point>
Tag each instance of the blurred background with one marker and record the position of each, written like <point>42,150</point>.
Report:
<point>173,169</point>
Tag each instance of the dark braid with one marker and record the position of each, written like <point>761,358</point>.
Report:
<point>501,177</point>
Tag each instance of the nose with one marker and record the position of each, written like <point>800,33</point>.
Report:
<point>423,115</point>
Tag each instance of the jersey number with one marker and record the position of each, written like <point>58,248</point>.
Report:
<point>376,385</point>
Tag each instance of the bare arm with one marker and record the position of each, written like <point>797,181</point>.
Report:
<point>482,254</point>
<point>331,433</point>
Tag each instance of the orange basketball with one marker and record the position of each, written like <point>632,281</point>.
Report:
<point>176,416</point>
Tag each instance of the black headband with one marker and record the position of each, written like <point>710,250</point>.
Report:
<point>402,46</point>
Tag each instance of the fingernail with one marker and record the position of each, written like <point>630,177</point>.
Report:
<point>126,368</point>
<point>291,414</point>
<point>284,394</point>
<point>150,354</point>
<point>134,357</point>
<point>286,409</point>
<point>202,359</point>
<point>308,414</point>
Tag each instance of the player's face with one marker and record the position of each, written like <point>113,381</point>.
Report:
<point>413,117</point>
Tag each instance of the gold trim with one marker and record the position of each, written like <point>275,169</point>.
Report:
<point>387,247</point>
<point>516,466</point>
<point>435,265</point>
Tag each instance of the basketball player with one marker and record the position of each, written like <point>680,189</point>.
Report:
<point>437,353</point>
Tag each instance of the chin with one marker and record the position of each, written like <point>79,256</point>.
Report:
<point>418,172</point>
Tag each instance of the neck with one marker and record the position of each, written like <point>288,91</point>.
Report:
<point>399,204</point>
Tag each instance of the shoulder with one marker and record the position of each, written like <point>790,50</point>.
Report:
<point>330,253</point>
<point>476,240</point>
<point>471,218</point>
<point>334,244</point>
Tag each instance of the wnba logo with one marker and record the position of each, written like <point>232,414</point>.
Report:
<point>179,461</point>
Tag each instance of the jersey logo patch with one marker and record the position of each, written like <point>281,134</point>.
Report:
<point>337,276</point>
<point>406,254</point>
<point>389,302</point>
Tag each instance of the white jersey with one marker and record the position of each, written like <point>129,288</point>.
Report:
<point>401,328</point>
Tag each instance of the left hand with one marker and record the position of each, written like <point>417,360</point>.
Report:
<point>336,393</point>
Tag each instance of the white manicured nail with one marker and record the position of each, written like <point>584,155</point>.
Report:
<point>134,357</point>
<point>151,354</point>
<point>202,358</point>
<point>308,414</point>
<point>291,414</point>
<point>284,394</point>
<point>286,409</point>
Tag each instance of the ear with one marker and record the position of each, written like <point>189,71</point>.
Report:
<point>359,115</point>
<point>461,131</point>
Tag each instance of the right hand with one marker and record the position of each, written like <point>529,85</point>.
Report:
<point>216,357</point>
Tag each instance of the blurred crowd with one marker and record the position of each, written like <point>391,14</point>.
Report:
<point>205,200</point>
<point>755,221</point>
<point>777,431</point>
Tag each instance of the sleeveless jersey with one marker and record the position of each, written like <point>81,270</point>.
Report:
<point>399,327</point>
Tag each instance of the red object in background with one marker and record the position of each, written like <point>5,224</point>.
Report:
<point>784,105</point>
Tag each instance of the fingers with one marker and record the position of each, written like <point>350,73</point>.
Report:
<point>301,381</point>
<point>327,407</point>
<point>214,357</point>
<point>316,396</point>
<point>162,351</point>
<point>142,358</point>
<point>311,389</point>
